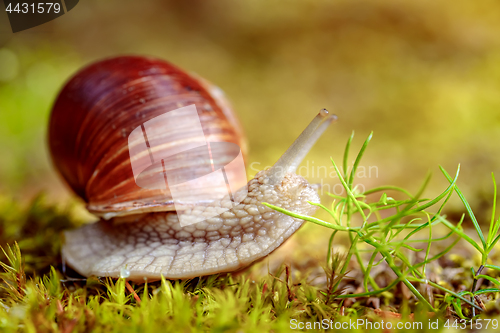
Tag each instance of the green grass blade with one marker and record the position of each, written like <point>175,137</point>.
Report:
<point>493,226</point>
<point>388,188</point>
<point>463,235</point>
<point>331,213</point>
<point>311,219</point>
<point>437,256</point>
<point>330,242</point>
<point>493,243</point>
<point>469,210</point>
<point>492,267</point>
<point>489,278</point>
<point>358,159</point>
<point>346,154</point>
<point>487,290</point>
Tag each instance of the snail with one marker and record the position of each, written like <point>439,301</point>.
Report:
<point>139,231</point>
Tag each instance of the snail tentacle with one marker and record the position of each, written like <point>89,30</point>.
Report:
<point>293,156</point>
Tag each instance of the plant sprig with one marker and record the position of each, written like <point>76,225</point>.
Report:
<point>389,238</point>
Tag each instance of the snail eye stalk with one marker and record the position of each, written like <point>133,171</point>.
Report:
<point>293,156</point>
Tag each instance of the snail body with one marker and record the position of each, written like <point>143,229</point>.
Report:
<point>139,230</point>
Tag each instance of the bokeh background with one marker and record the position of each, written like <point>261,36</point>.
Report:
<point>423,75</point>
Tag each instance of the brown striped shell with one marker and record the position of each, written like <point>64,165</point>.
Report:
<point>101,105</point>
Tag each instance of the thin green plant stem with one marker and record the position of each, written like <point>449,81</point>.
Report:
<point>389,260</point>
<point>396,281</point>
<point>386,188</point>
<point>468,208</point>
<point>428,246</point>
<point>435,285</point>
<point>492,267</point>
<point>408,226</point>
<point>425,281</point>
<point>487,290</point>
<point>495,224</point>
<point>345,162</point>
<point>493,230</point>
<point>368,269</point>
<point>346,154</point>
<point>350,181</point>
<point>463,235</point>
<point>437,256</point>
<point>373,292</point>
<point>326,209</point>
<point>311,219</point>
<point>420,208</point>
<point>349,193</point>
<point>413,201</point>
<point>493,243</point>
<point>330,242</point>
<point>423,240</point>
<point>353,249</point>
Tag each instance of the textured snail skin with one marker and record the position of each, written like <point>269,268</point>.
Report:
<point>155,244</point>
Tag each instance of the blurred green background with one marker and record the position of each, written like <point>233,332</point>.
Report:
<point>424,76</point>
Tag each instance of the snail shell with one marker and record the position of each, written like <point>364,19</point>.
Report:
<point>101,105</point>
<point>139,231</point>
